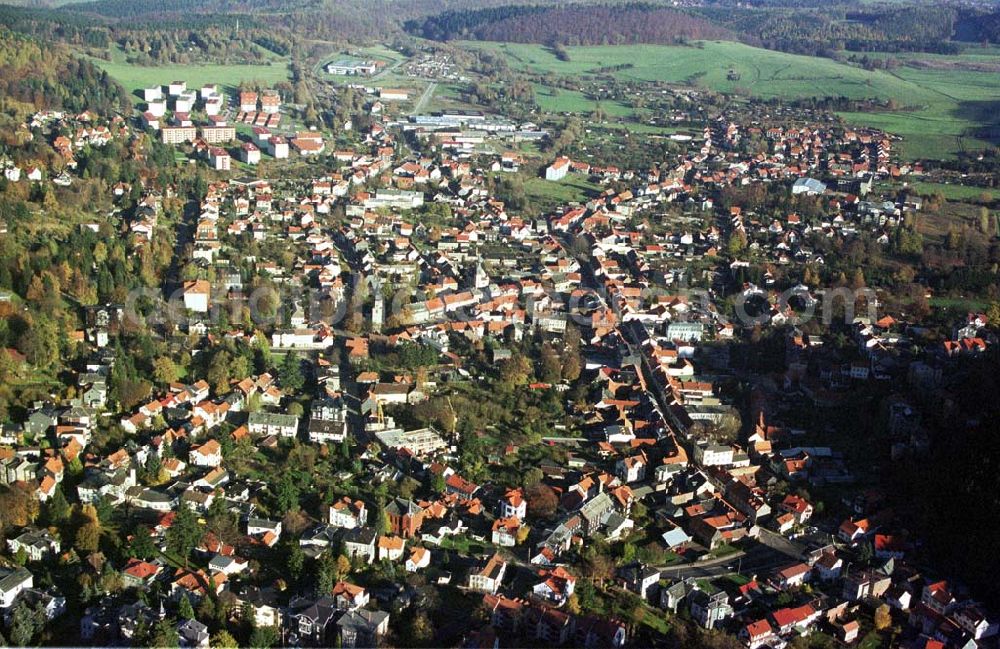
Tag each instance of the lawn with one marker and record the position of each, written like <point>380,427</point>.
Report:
<point>764,73</point>
<point>939,108</point>
<point>463,544</point>
<point>549,193</point>
<point>953,192</point>
<point>136,77</point>
<point>558,100</point>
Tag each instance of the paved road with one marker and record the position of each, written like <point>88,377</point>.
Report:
<point>424,98</point>
<point>770,551</point>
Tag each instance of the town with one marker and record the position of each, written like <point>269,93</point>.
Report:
<point>464,377</point>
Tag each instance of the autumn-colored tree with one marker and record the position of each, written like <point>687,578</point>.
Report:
<point>343,566</point>
<point>516,370</point>
<point>993,314</point>
<point>550,369</point>
<point>18,506</point>
<point>164,370</point>
<point>571,366</point>
<point>883,618</point>
<point>542,501</point>
<point>224,640</point>
<point>88,537</point>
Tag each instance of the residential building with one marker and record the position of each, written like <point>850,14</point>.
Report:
<point>12,582</point>
<point>348,513</point>
<point>36,544</point>
<point>196,295</point>
<point>558,169</point>
<point>710,611</point>
<point>362,628</point>
<point>267,423</point>
<point>487,579</point>
<point>178,134</point>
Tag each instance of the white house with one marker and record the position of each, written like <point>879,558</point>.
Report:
<point>219,159</point>
<point>278,147</point>
<point>250,153</point>
<point>488,578</point>
<point>196,294</point>
<point>513,504</point>
<point>348,513</point>
<point>265,423</point>
<point>558,169</point>
<point>37,544</point>
<point>12,582</point>
<point>556,586</point>
<point>208,454</point>
<point>419,558</point>
<point>631,469</point>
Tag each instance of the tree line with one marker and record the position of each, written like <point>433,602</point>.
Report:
<point>571,25</point>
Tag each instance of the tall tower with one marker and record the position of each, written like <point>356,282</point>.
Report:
<point>480,279</point>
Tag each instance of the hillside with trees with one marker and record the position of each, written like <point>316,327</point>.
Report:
<point>572,25</point>
<point>49,77</point>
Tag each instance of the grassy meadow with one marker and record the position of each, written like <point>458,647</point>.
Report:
<point>938,108</point>
<point>954,192</point>
<point>136,77</point>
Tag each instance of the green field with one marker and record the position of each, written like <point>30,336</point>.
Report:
<point>547,194</point>
<point>136,77</point>
<point>938,108</point>
<point>558,100</point>
<point>953,192</point>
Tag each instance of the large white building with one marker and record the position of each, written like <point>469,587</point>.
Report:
<point>420,442</point>
<point>558,169</point>
<point>196,295</point>
<point>266,423</point>
<point>12,582</point>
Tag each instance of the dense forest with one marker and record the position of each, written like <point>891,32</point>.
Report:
<point>49,77</point>
<point>977,27</point>
<point>814,30</point>
<point>153,32</point>
<point>571,25</point>
<point>823,31</point>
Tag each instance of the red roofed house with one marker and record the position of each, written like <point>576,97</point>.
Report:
<point>556,585</point>
<point>852,531</point>
<point>349,596</point>
<point>208,454</point>
<point>757,634</point>
<point>139,573</point>
<point>793,575</point>
<point>248,101</point>
<point>513,504</point>
<point>798,619</point>
<point>419,558</point>
<point>461,487</point>
<point>558,169</point>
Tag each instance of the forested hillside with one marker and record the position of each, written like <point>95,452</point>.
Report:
<point>824,30</point>
<point>572,25</point>
<point>49,77</point>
